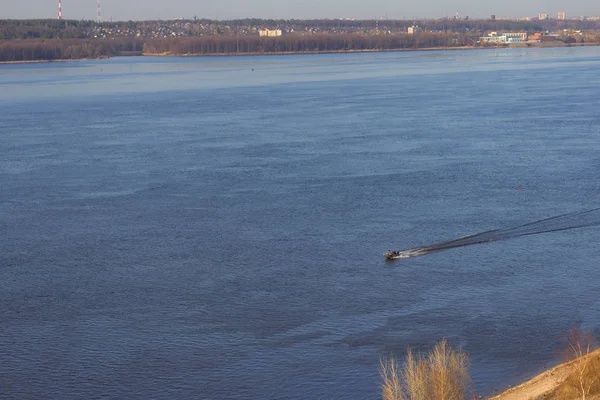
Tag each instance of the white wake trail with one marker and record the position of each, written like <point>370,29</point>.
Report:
<point>561,222</point>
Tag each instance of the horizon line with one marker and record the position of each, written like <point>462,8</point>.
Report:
<point>450,18</point>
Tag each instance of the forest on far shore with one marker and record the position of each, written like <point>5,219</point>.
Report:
<point>68,49</point>
<point>71,49</point>
<point>53,39</point>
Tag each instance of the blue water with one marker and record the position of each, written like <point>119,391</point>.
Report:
<point>214,228</point>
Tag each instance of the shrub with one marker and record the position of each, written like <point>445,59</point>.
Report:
<point>441,375</point>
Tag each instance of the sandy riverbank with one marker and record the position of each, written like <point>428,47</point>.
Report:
<point>542,385</point>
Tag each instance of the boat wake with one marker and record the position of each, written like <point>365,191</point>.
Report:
<point>561,222</point>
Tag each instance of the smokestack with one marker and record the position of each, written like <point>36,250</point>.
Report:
<point>59,10</point>
<point>99,15</point>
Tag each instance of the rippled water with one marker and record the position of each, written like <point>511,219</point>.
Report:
<point>215,227</point>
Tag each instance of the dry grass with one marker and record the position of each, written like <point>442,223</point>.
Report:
<point>577,378</point>
<point>583,382</point>
<point>442,375</point>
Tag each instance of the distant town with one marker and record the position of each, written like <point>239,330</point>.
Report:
<point>180,27</point>
<point>58,38</point>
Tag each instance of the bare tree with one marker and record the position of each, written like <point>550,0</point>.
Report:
<point>580,346</point>
<point>442,375</point>
<point>391,387</point>
<point>415,377</point>
<point>448,373</point>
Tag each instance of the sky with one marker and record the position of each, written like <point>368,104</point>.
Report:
<point>287,9</point>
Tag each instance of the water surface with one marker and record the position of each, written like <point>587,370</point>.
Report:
<point>215,227</point>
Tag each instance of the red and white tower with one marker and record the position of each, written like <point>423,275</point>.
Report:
<point>99,16</point>
<point>59,10</point>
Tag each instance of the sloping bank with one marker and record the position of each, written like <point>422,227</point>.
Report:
<point>545,385</point>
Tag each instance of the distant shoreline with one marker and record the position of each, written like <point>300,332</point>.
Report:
<point>286,53</point>
<point>282,53</point>
<point>44,61</point>
<point>291,53</point>
<point>60,60</point>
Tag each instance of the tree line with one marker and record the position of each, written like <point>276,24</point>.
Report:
<point>65,49</point>
<point>43,29</point>
<point>55,49</point>
<point>69,49</point>
<point>304,43</point>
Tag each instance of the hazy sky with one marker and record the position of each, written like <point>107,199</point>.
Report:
<point>299,9</point>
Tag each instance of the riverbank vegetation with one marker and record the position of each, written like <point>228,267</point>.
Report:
<point>58,49</point>
<point>443,374</point>
<point>583,381</point>
<point>307,43</point>
<point>66,49</point>
<point>70,49</point>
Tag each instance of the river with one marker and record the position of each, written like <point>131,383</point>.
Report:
<point>214,227</point>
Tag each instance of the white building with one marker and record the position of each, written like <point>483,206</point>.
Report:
<point>492,39</point>
<point>514,40</point>
<point>270,32</point>
<point>521,35</point>
<point>542,16</point>
<point>510,37</point>
<point>562,15</point>
<point>414,29</point>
